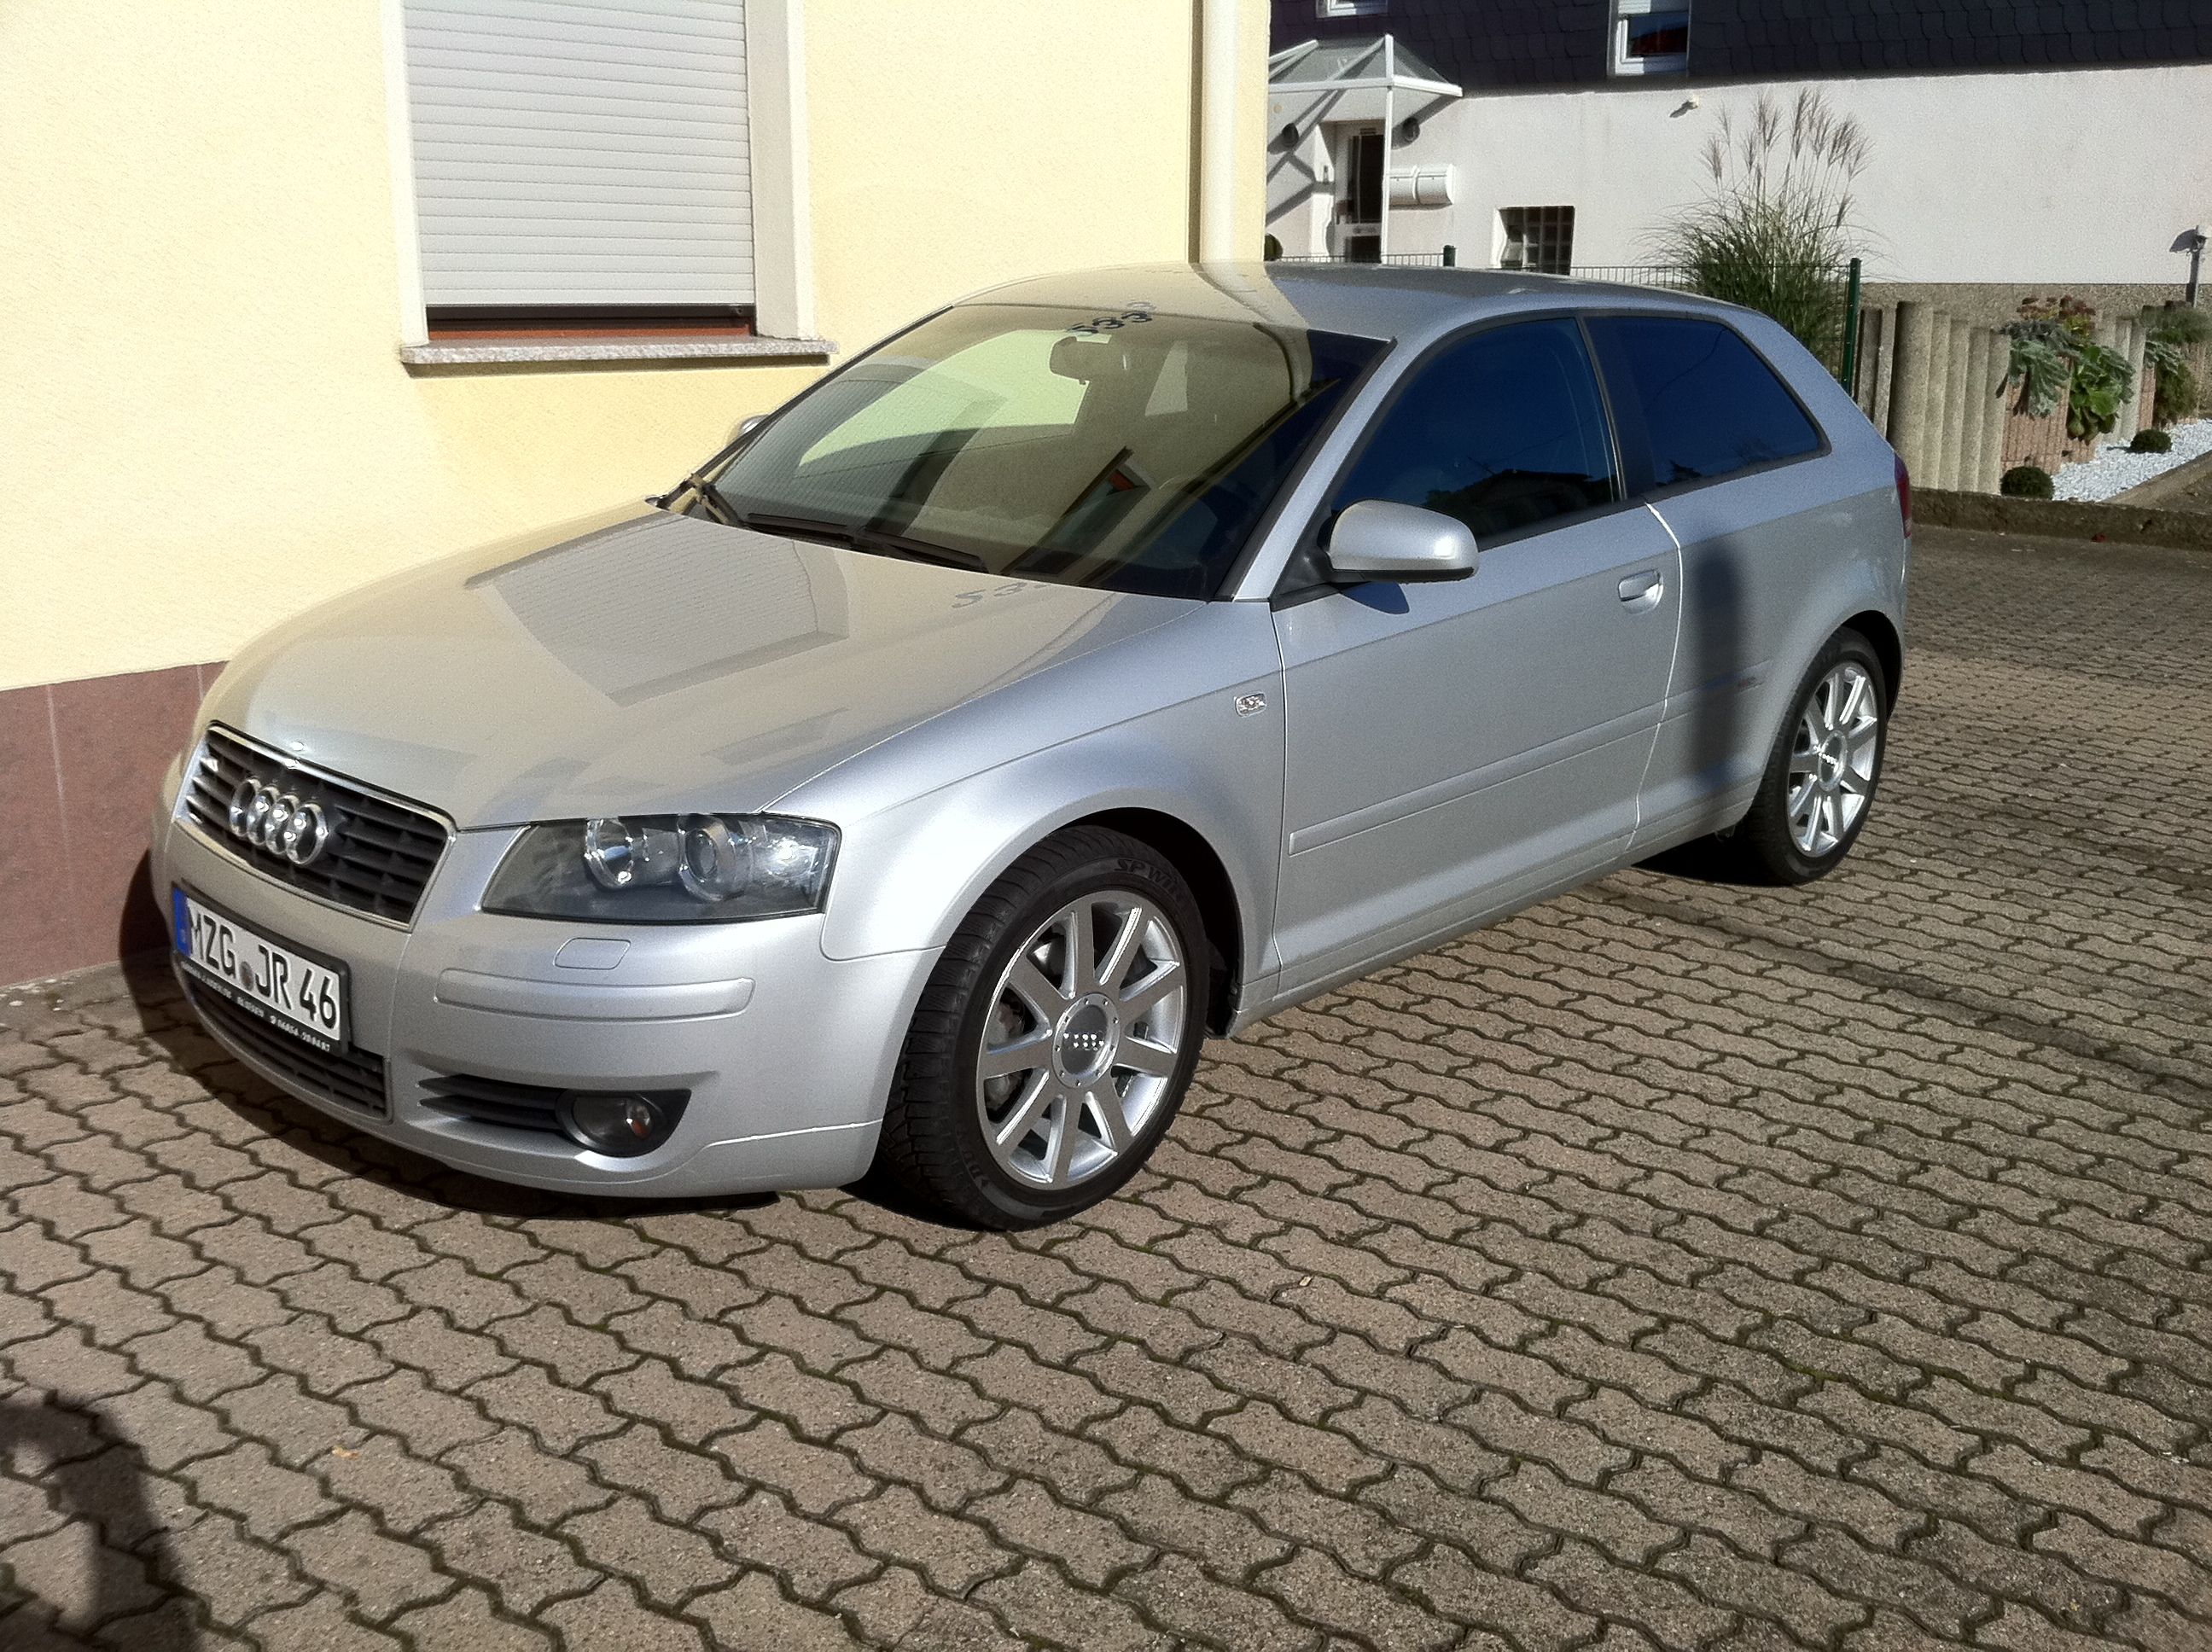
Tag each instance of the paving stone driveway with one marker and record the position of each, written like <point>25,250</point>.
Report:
<point>1676,1265</point>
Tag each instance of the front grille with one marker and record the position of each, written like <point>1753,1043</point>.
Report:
<point>382,850</point>
<point>494,1101</point>
<point>354,1077</point>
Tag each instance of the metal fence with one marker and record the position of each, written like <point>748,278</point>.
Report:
<point>1819,303</point>
<point>1673,278</point>
<point>1447,259</point>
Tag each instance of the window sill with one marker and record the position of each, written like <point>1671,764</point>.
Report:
<point>522,352</point>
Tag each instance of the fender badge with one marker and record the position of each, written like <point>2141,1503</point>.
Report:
<point>1249,703</point>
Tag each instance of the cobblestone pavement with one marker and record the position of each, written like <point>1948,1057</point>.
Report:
<point>1677,1265</point>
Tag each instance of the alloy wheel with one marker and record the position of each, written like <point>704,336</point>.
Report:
<point>1085,1032</point>
<point>1832,758</point>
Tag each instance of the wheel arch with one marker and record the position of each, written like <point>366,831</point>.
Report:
<point>1888,644</point>
<point>1207,874</point>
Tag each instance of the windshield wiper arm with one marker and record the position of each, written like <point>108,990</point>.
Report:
<point>860,538</point>
<point>706,494</point>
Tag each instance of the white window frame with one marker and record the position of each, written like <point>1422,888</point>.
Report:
<point>1677,62</point>
<point>1351,7</point>
<point>784,325</point>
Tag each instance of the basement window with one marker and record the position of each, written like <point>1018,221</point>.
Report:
<point>1537,239</point>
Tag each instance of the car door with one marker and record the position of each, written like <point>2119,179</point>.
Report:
<point>1710,436</point>
<point>1455,748</point>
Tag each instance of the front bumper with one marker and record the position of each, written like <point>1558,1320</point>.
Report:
<point>787,1053</point>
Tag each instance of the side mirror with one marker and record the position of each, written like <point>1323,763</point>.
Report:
<point>1375,539</point>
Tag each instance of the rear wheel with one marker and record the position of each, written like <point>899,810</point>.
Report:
<point>1055,1038</point>
<point>1823,772</point>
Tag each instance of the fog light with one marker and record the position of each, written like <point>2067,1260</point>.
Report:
<point>620,1123</point>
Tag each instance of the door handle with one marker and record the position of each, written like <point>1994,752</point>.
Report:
<point>1644,590</point>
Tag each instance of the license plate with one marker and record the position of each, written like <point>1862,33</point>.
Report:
<point>301,992</point>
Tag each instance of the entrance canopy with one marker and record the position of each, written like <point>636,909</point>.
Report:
<point>1342,69</point>
<point>1361,82</point>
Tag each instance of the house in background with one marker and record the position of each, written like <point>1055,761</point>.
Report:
<point>2015,149</point>
<point>301,295</point>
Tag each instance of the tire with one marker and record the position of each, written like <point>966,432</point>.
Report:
<point>1089,1058</point>
<point>1772,843</point>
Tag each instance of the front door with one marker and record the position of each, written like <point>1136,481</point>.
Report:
<point>1455,748</point>
<point>1360,194</point>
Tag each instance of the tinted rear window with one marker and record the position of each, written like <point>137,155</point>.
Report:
<point>1694,401</point>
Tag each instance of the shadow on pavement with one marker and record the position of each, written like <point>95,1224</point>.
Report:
<point>112,1559</point>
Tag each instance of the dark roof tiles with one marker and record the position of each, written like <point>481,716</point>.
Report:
<point>1522,43</point>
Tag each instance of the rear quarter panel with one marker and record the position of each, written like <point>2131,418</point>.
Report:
<point>1773,563</point>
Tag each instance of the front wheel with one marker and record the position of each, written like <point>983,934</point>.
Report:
<point>1823,772</point>
<point>1055,1038</point>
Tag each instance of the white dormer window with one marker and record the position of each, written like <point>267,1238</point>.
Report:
<point>1351,7</point>
<point>1650,36</point>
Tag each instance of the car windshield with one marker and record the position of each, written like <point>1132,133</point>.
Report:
<point>1134,451</point>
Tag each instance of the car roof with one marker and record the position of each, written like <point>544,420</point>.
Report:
<point>1406,302</point>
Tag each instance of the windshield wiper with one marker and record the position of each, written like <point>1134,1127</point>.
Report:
<point>706,493</point>
<point>860,538</point>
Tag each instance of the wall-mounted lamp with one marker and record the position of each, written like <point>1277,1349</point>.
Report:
<point>1686,106</point>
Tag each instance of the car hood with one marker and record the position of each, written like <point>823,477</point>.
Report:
<point>646,663</point>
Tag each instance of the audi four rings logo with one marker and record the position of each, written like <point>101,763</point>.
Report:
<point>279,823</point>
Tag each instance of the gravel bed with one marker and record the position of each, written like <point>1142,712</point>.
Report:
<point>2115,469</point>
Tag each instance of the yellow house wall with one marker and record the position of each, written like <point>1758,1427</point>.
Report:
<point>204,425</point>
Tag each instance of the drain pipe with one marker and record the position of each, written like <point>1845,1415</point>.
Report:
<point>1216,138</point>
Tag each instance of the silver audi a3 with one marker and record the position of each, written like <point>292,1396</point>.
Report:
<point>1104,661</point>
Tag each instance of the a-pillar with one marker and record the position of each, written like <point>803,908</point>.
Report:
<point>1979,408</point>
<point>1911,355</point>
<point>1998,388</point>
<point>1949,470</point>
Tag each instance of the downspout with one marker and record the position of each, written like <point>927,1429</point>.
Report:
<point>1217,131</point>
<point>1389,123</point>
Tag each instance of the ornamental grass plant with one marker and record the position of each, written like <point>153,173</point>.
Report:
<point>1774,229</point>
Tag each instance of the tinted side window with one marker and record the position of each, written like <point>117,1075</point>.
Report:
<point>1503,431</point>
<point>1696,399</point>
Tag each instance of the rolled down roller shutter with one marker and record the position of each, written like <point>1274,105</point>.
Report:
<point>572,153</point>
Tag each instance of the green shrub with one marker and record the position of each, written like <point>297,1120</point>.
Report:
<point>2026,482</point>
<point>2056,352</point>
<point>2151,441</point>
<point>2179,324</point>
<point>2175,328</point>
<point>2042,369</point>
<point>2100,384</point>
<point>2175,399</point>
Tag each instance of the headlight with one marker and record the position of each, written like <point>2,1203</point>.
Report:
<point>666,869</point>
